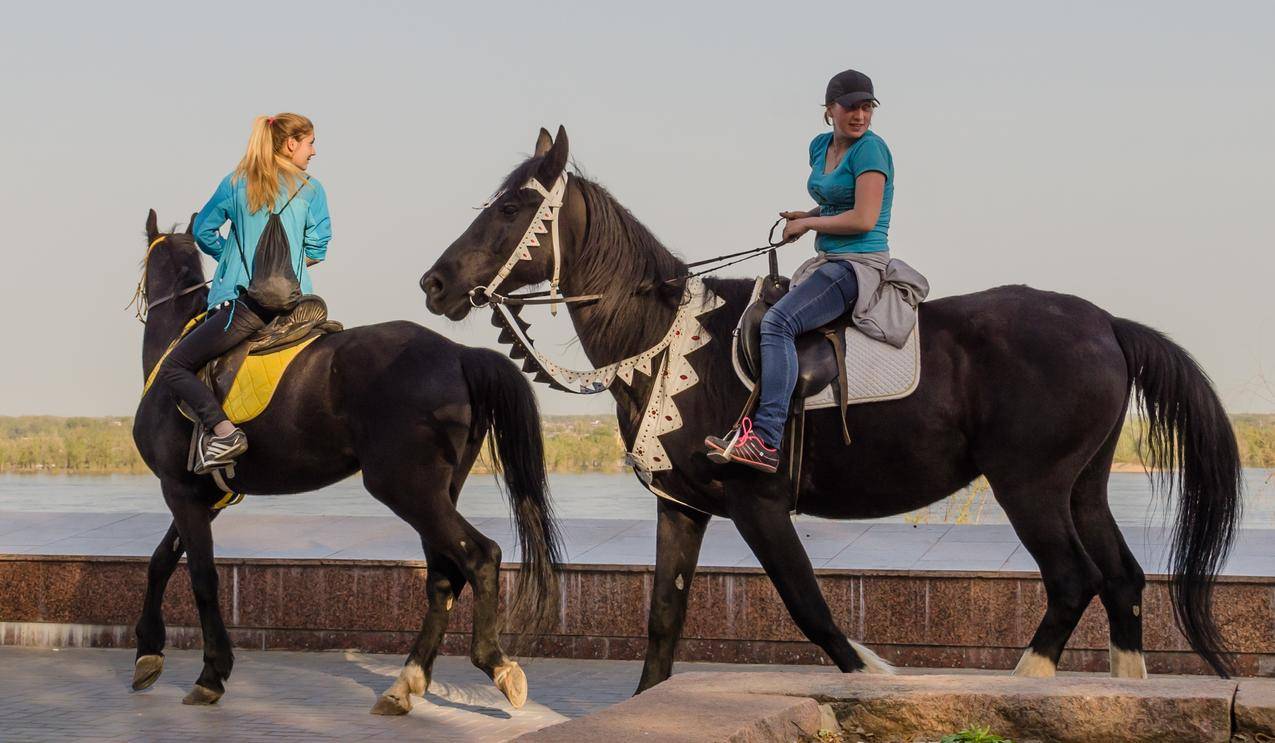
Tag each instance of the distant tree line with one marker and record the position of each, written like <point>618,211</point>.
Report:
<point>572,444</point>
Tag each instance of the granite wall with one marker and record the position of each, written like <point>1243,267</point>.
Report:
<point>934,619</point>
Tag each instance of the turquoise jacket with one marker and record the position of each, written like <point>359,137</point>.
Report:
<point>305,220</point>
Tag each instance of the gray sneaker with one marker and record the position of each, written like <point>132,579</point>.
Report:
<point>220,451</point>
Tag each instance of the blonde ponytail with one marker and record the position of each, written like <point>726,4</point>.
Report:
<point>263,167</point>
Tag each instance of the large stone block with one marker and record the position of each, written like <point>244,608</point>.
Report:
<point>1064,709</point>
<point>1255,708</point>
<point>689,716</point>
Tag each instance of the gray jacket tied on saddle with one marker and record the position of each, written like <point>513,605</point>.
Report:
<point>889,292</point>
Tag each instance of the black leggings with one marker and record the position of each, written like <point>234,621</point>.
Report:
<point>208,341</point>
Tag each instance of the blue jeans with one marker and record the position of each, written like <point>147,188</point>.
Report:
<point>818,300</point>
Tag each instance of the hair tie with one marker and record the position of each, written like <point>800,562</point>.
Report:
<point>269,121</point>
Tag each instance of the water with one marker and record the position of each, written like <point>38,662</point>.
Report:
<point>575,496</point>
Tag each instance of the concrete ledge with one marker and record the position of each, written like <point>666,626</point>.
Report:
<point>728,706</point>
<point>917,619</point>
<point>682,716</point>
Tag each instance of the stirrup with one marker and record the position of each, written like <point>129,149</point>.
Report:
<point>719,447</point>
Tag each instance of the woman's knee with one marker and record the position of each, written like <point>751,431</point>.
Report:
<point>174,367</point>
<point>776,322</point>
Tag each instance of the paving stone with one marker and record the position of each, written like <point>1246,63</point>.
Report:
<point>277,696</point>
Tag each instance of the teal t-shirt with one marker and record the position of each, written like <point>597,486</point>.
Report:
<point>834,192</point>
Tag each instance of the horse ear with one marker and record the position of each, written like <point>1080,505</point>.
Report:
<point>556,158</point>
<point>543,142</point>
<point>190,228</point>
<point>152,225</point>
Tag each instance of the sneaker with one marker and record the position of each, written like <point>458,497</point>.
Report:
<point>744,447</point>
<point>220,451</point>
<point>719,446</point>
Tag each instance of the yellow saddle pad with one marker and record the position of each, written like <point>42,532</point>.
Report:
<point>254,384</point>
<point>257,380</point>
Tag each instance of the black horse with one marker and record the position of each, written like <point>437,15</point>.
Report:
<point>401,403</point>
<point>1029,388</point>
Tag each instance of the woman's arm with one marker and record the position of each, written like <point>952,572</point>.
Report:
<point>318,227</point>
<point>208,222</point>
<point>869,192</point>
<point>814,212</point>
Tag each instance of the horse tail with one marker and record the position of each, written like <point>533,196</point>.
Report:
<point>1190,445</point>
<point>504,406</point>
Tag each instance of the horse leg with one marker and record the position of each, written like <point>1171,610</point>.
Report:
<point>443,582</point>
<point>765,525</point>
<point>1041,516</point>
<point>151,634</point>
<point>193,519</point>
<point>679,534</point>
<point>448,534</point>
<point>482,568</point>
<point>1122,576</point>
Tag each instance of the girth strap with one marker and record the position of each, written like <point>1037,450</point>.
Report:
<point>838,342</point>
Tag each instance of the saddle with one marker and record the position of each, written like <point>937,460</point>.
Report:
<point>288,331</point>
<point>244,379</point>
<point>821,353</point>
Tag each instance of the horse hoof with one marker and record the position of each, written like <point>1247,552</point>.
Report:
<point>147,671</point>
<point>202,696</point>
<point>392,705</point>
<point>512,682</point>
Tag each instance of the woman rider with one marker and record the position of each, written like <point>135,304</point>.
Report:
<point>852,183</point>
<point>270,177</point>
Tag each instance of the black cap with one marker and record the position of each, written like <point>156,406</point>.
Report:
<point>849,88</point>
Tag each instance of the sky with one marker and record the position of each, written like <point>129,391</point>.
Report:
<point>1121,152</point>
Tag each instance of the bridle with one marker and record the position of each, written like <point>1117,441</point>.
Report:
<point>506,308</point>
<point>143,303</point>
<point>549,211</point>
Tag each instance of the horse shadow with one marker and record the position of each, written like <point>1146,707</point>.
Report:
<point>475,697</point>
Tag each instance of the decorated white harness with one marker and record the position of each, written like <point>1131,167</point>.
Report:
<point>675,374</point>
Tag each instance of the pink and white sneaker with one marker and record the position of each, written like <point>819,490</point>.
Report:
<point>741,445</point>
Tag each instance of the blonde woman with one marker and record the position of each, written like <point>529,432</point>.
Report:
<point>270,179</point>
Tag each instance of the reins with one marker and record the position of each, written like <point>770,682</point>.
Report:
<point>140,299</point>
<point>478,294</point>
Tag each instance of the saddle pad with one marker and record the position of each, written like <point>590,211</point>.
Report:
<point>257,380</point>
<point>875,371</point>
<point>254,385</point>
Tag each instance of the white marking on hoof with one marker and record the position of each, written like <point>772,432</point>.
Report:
<point>512,682</point>
<point>1035,665</point>
<point>1127,664</point>
<point>201,695</point>
<point>872,663</point>
<point>397,699</point>
<point>146,671</point>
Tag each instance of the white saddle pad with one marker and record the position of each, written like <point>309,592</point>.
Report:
<point>875,371</point>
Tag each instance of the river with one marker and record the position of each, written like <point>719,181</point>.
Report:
<point>597,496</point>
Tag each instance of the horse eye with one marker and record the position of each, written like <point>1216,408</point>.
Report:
<point>510,209</point>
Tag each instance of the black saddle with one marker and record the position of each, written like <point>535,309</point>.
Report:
<point>308,319</point>
<point>821,353</point>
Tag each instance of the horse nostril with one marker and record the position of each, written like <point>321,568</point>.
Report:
<point>431,285</point>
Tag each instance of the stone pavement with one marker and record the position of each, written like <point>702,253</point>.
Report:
<point>830,544</point>
<point>83,695</point>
